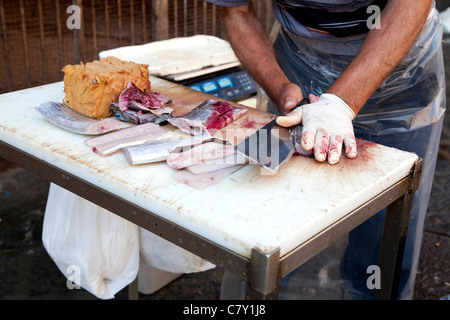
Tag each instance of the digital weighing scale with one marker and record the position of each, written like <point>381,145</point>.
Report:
<point>233,84</point>
<point>204,63</point>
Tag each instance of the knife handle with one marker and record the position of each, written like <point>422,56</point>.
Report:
<point>302,102</point>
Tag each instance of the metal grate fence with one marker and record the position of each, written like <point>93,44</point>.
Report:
<point>39,37</point>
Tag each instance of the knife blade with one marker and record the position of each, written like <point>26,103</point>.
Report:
<point>271,147</point>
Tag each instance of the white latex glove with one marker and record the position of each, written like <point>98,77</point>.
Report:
<point>327,125</point>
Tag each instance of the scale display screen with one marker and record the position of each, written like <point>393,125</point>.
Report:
<point>196,88</point>
<point>233,85</point>
<point>225,82</point>
<point>209,86</point>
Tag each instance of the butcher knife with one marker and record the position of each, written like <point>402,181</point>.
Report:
<point>272,146</point>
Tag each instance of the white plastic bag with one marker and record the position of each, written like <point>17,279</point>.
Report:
<point>163,255</point>
<point>103,247</point>
<point>151,279</point>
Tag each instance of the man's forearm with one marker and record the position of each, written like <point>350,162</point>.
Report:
<point>383,50</point>
<point>254,49</point>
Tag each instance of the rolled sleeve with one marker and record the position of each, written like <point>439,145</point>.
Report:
<point>229,3</point>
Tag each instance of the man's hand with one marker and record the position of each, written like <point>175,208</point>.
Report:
<point>289,95</point>
<point>327,126</point>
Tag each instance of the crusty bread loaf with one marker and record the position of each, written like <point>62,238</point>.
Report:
<point>90,88</point>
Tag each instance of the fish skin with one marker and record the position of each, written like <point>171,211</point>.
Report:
<point>136,117</point>
<point>127,116</point>
<point>140,134</point>
<point>203,152</point>
<point>208,117</point>
<point>154,151</point>
<point>70,120</point>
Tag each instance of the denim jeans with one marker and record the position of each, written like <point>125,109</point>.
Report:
<point>406,112</point>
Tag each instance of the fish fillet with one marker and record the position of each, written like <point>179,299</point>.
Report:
<point>218,164</point>
<point>208,118</point>
<point>153,151</point>
<point>204,180</point>
<point>112,142</point>
<point>203,152</point>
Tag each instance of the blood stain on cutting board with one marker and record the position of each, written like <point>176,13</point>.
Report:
<point>342,177</point>
<point>368,167</point>
<point>367,151</point>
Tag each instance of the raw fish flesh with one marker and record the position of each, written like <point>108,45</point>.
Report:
<point>205,162</point>
<point>204,180</point>
<point>70,120</point>
<point>297,134</point>
<point>137,117</point>
<point>159,150</point>
<point>153,151</point>
<point>218,164</point>
<point>140,134</point>
<point>132,98</point>
<point>204,152</point>
<point>200,139</point>
<point>208,118</point>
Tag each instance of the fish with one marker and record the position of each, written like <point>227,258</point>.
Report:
<point>203,152</point>
<point>136,117</point>
<point>140,134</point>
<point>70,120</point>
<point>217,164</point>
<point>132,98</point>
<point>208,117</point>
<point>204,180</point>
<point>154,151</point>
<point>205,162</point>
<point>159,150</point>
<point>297,136</point>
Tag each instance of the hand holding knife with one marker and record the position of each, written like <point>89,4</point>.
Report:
<point>327,126</point>
<point>271,146</point>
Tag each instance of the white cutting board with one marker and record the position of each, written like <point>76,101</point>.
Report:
<point>177,55</point>
<point>245,210</point>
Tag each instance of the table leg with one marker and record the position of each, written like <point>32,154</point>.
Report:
<point>394,240</point>
<point>133,293</point>
<point>264,275</point>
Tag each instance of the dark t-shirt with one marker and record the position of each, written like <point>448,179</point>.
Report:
<point>322,18</point>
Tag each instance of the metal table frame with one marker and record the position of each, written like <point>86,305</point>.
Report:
<point>263,271</point>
